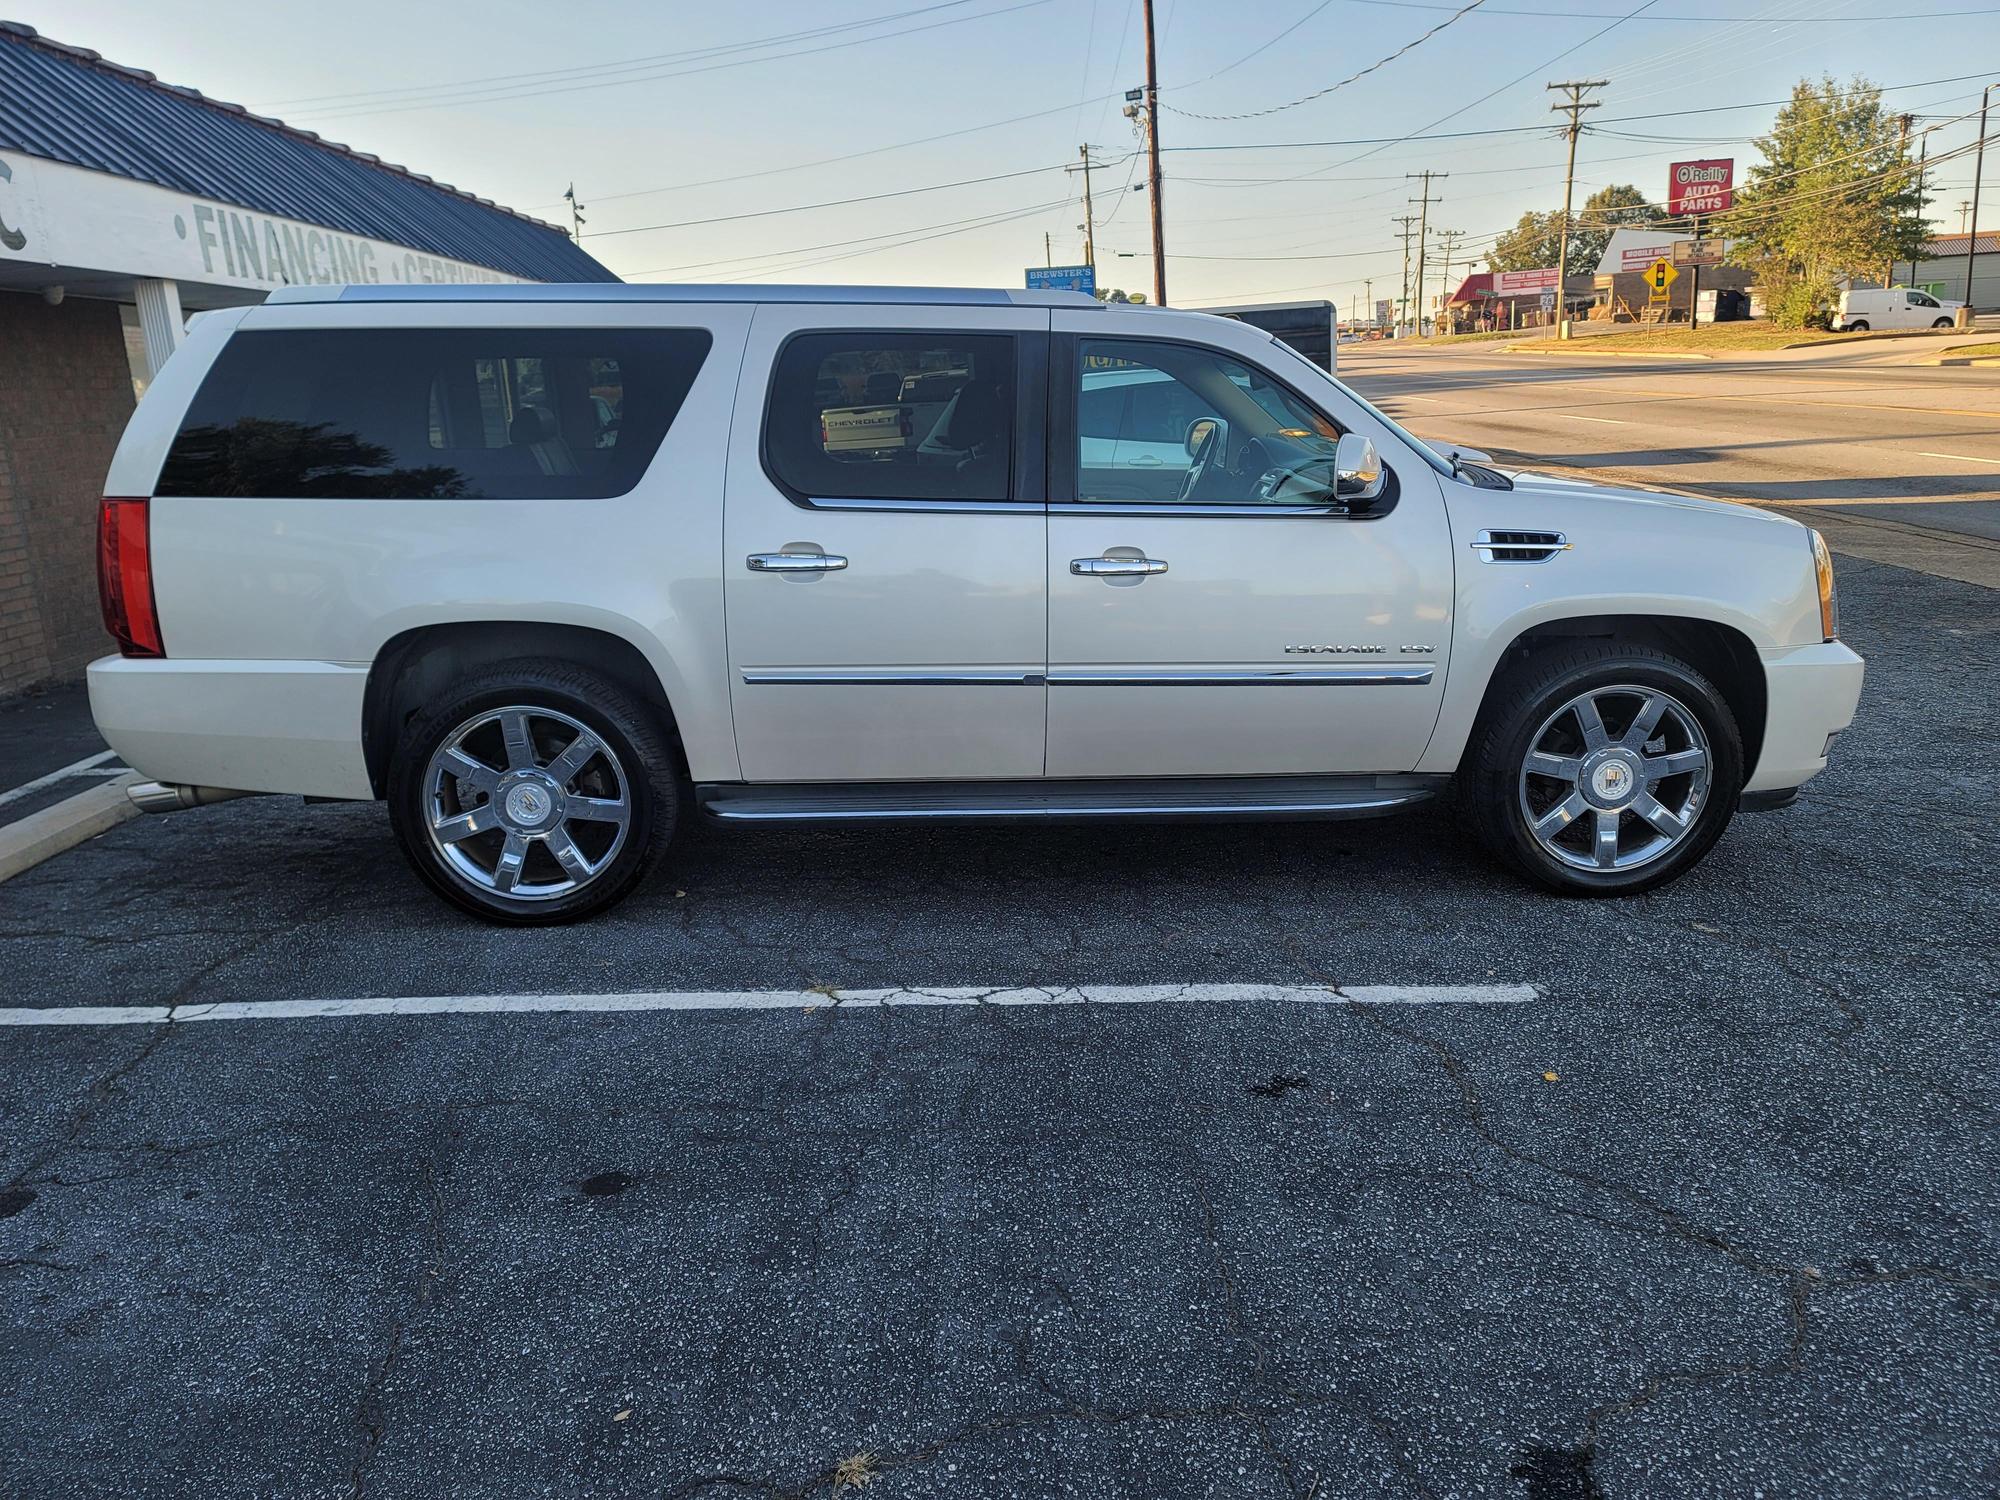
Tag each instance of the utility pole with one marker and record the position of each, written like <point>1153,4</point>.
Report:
<point>576,218</point>
<point>1048,250</point>
<point>1903,122</point>
<point>1448,240</point>
<point>1978,170</point>
<point>1368,294</point>
<point>1574,107</point>
<point>1923,152</point>
<point>1423,231</point>
<point>1403,303</point>
<point>1153,160</point>
<point>1089,224</point>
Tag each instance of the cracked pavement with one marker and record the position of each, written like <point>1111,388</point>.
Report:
<point>1743,1241</point>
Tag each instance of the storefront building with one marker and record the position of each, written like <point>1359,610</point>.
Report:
<point>128,204</point>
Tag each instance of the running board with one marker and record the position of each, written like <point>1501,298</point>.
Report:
<point>1237,797</point>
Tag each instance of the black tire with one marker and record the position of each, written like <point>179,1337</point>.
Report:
<point>1859,325</point>
<point>1941,323</point>
<point>1490,781</point>
<point>640,769</point>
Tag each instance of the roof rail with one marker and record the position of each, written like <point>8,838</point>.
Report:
<point>585,291</point>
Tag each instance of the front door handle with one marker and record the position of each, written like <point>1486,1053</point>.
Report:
<point>795,562</point>
<point>1116,567</point>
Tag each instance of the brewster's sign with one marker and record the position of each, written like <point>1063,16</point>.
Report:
<point>1700,187</point>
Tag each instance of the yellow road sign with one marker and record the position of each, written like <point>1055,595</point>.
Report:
<point>1660,275</point>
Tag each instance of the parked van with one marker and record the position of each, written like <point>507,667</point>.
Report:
<point>541,566</point>
<point>1899,307</point>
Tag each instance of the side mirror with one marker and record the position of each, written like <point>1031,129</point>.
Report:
<point>1198,431</point>
<point>1358,475</point>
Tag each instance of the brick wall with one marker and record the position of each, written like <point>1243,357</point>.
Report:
<point>65,394</point>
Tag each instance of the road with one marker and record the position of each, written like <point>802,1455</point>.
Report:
<point>1891,460</point>
<point>1711,1214</point>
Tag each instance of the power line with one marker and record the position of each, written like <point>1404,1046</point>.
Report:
<point>623,65</point>
<point>798,208</point>
<point>502,95</point>
<point>1257,114</point>
<point>1259,51</point>
<point>1586,15</point>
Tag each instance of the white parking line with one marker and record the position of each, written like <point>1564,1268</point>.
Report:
<point>800,1000</point>
<point>1570,416</point>
<point>1964,458</point>
<point>76,768</point>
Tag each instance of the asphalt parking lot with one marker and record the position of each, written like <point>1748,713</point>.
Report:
<point>1712,1214</point>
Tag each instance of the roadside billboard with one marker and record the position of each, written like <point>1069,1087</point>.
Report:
<point>1524,283</point>
<point>1063,279</point>
<point>1700,187</point>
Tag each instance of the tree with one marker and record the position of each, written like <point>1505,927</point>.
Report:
<point>1531,243</point>
<point>1134,299</point>
<point>1834,198</point>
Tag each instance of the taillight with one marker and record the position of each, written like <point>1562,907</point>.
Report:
<point>125,577</point>
<point>822,431</point>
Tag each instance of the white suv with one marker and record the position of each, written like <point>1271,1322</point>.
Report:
<point>530,561</point>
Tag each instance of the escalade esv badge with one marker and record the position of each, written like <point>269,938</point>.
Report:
<point>1354,650</point>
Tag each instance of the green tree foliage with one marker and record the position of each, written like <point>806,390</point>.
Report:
<point>1835,197</point>
<point>1531,243</point>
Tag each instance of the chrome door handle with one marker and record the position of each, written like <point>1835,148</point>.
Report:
<point>795,562</point>
<point>1115,567</point>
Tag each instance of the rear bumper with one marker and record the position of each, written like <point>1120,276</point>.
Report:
<point>258,726</point>
<point>1811,696</point>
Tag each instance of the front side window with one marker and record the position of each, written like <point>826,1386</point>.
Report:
<point>433,414</point>
<point>893,416</point>
<point>1169,423</point>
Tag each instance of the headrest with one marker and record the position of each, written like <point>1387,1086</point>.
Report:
<point>532,424</point>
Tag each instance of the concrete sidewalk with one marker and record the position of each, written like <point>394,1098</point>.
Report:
<point>59,783</point>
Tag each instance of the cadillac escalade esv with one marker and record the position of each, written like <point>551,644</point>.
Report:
<point>543,566</point>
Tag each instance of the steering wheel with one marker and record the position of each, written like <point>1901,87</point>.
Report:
<point>1204,454</point>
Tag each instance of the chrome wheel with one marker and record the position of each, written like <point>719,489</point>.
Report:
<point>526,803</point>
<point>1615,778</point>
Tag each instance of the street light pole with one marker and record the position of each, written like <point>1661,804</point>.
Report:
<point>1574,107</point>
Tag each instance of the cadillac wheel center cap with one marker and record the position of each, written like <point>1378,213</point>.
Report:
<point>1612,781</point>
<point>528,804</point>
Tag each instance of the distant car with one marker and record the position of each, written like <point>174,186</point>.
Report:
<point>1898,307</point>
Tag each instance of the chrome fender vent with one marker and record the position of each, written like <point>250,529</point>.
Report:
<point>1519,546</point>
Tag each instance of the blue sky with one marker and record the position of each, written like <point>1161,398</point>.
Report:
<point>513,100</point>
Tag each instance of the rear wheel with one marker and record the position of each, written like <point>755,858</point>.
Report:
<point>533,793</point>
<point>1859,325</point>
<point>1602,770</point>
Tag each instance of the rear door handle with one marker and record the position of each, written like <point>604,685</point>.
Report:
<point>1115,567</point>
<point>795,562</point>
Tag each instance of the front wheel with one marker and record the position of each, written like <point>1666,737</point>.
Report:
<point>1601,770</point>
<point>1942,323</point>
<point>533,793</point>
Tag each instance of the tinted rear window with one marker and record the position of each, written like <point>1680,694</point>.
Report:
<point>433,414</point>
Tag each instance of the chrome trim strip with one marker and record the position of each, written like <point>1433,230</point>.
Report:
<point>1349,676</point>
<point>1244,511</point>
<point>889,677</point>
<point>936,507</point>
<point>1038,806</point>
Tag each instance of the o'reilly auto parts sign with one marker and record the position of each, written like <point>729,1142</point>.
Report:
<point>1700,187</point>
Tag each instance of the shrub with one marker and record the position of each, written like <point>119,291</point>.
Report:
<point>1801,304</point>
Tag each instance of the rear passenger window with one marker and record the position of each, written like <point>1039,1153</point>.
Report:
<point>893,416</point>
<point>433,414</point>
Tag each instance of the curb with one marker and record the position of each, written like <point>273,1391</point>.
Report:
<point>1614,353</point>
<point>75,820</point>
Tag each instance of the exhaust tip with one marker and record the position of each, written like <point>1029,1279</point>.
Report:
<point>169,796</point>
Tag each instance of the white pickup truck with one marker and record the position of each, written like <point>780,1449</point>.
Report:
<point>367,543</point>
<point>903,411</point>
